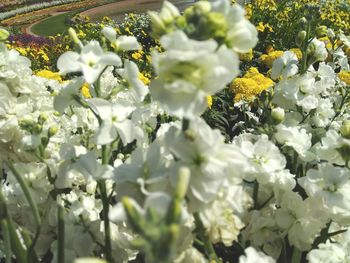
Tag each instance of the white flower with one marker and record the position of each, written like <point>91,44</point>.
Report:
<point>317,50</point>
<point>211,160</point>
<point>91,61</point>
<point>296,138</point>
<point>285,66</point>
<point>67,95</point>
<point>121,43</point>
<point>242,35</point>
<point>220,223</point>
<point>254,256</point>
<point>331,185</point>
<point>135,91</point>
<point>114,121</point>
<point>328,252</point>
<point>188,71</point>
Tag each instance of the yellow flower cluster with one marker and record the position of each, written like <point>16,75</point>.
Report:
<point>268,59</point>
<point>261,27</point>
<point>250,85</point>
<point>345,76</point>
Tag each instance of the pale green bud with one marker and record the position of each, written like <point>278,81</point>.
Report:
<point>303,21</point>
<point>52,131</point>
<point>300,38</point>
<point>37,129</point>
<point>158,25</point>
<point>42,118</point>
<point>4,34</point>
<point>345,129</point>
<point>277,115</point>
<point>26,124</point>
<point>183,181</point>
<point>321,31</point>
<point>73,35</point>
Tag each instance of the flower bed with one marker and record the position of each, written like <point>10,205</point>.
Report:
<point>178,138</point>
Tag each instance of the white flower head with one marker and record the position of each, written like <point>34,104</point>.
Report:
<point>91,61</point>
<point>188,71</point>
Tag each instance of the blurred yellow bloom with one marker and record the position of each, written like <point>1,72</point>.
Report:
<point>268,59</point>
<point>136,55</point>
<point>49,75</point>
<point>262,27</point>
<point>85,90</point>
<point>209,101</point>
<point>344,76</point>
<point>143,78</point>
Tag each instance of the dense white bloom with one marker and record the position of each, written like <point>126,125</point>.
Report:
<point>331,185</point>
<point>220,223</point>
<point>254,256</point>
<point>285,66</point>
<point>328,252</point>
<point>211,160</point>
<point>296,138</point>
<point>91,61</point>
<point>188,71</point>
<point>317,50</point>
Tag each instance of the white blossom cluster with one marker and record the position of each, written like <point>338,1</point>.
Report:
<point>287,187</point>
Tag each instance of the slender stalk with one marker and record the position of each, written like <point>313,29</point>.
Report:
<point>27,194</point>
<point>61,234</point>
<point>16,244</point>
<point>296,257</point>
<point>105,204</point>
<point>255,194</point>
<point>7,241</point>
<point>208,246</point>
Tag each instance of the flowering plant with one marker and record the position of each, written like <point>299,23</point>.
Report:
<point>103,167</point>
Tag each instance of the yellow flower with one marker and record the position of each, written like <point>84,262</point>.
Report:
<point>250,85</point>
<point>260,27</point>
<point>49,75</point>
<point>209,101</point>
<point>136,55</point>
<point>85,90</point>
<point>268,59</point>
<point>143,78</point>
<point>344,76</point>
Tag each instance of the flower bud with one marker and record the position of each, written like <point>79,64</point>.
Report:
<point>345,129</point>
<point>52,131</point>
<point>183,180</point>
<point>73,35</point>
<point>300,38</point>
<point>89,260</point>
<point>42,118</point>
<point>303,21</point>
<point>277,115</point>
<point>203,6</point>
<point>4,34</point>
<point>321,31</point>
<point>37,129</point>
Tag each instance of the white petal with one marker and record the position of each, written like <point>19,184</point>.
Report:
<point>68,62</point>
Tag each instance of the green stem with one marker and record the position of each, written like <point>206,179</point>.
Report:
<point>7,241</point>
<point>61,234</point>
<point>16,244</point>
<point>296,257</point>
<point>208,246</point>
<point>27,194</point>
<point>255,194</point>
<point>105,203</point>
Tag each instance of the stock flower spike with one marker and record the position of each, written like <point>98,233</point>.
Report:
<point>178,137</point>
